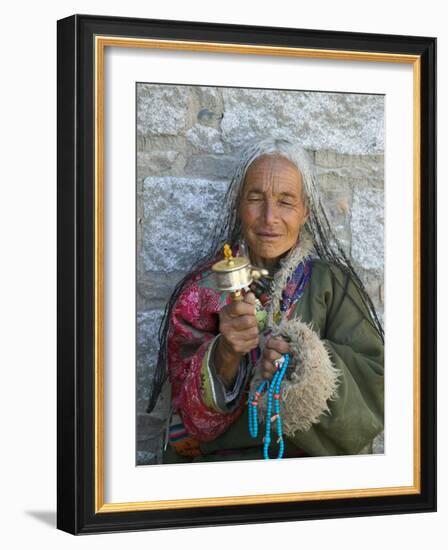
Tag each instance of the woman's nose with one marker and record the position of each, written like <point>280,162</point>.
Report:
<point>270,212</point>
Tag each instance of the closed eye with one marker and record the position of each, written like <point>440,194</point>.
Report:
<point>286,203</point>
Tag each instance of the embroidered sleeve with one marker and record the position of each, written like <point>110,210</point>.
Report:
<point>194,324</point>
<point>215,394</point>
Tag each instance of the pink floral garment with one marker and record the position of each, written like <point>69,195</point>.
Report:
<point>193,325</point>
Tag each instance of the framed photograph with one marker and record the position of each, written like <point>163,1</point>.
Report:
<point>246,274</point>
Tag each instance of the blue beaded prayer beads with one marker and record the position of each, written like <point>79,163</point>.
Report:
<point>273,394</point>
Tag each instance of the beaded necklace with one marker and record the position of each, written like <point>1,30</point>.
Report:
<point>293,291</point>
<point>273,390</point>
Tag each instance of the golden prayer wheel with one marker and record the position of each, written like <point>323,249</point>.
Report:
<point>234,274</point>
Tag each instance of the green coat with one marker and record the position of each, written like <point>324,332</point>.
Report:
<point>340,327</point>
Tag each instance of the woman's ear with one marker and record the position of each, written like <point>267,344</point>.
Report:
<point>306,216</point>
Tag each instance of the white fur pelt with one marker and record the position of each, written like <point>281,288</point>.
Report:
<point>314,380</point>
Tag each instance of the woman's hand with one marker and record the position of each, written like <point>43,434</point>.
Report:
<point>274,348</point>
<point>239,335</point>
<point>238,326</point>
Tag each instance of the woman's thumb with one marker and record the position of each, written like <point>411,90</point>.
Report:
<point>250,298</point>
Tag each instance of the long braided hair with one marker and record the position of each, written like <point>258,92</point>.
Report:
<point>228,229</point>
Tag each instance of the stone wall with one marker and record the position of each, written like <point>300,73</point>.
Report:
<point>188,142</point>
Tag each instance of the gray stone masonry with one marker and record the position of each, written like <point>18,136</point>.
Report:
<point>188,142</point>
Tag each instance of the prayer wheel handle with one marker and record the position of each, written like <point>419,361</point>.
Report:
<point>235,274</point>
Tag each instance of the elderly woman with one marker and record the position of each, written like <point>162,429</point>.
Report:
<point>312,306</point>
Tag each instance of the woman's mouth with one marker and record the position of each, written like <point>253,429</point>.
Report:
<point>267,235</point>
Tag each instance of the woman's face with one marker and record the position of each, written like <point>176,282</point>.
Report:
<point>271,208</point>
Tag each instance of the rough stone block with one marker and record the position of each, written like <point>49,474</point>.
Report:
<point>344,123</point>
<point>208,105</point>
<point>151,428</point>
<point>155,288</point>
<point>162,143</point>
<point>145,457</point>
<point>204,139</point>
<point>179,217</point>
<point>337,198</point>
<point>161,109</point>
<point>157,163</point>
<point>150,434</point>
<point>212,167</point>
<point>148,323</point>
<point>355,170</point>
<point>367,226</point>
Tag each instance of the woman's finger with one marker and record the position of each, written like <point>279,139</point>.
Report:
<point>278,344</point>
<point>268,370</point>
<point>245,322</point>
<point>271,355</point>
<point>235,309</point>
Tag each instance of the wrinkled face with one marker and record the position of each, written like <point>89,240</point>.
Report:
<point>272,209</point>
